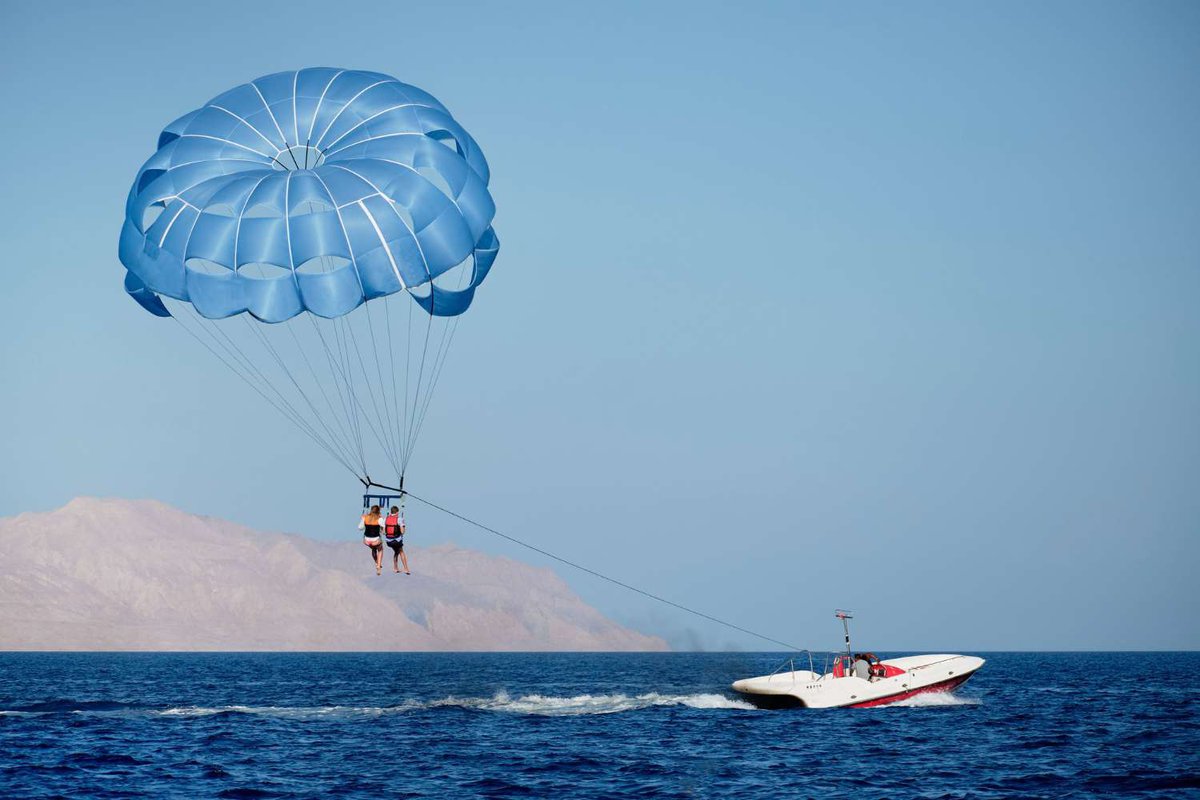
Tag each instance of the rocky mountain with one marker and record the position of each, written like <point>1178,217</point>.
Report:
<point>140,575</point>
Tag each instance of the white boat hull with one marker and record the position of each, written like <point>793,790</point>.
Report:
<point>914,675</point>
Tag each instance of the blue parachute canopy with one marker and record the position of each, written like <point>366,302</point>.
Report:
<point>314,190</point>
<point>322,191</point>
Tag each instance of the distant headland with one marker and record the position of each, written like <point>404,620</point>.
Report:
<point>141,575</point>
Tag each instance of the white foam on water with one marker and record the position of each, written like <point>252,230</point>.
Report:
<point>501,702</point>
<point>542,705</point>
<point>717,701</point>
<point>935,700</point>
<point>188,712</point>
<point>300,712</point>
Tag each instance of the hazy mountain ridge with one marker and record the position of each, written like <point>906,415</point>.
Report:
<point>140,575</point>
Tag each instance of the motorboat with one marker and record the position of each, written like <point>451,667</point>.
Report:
<point>857,680</point>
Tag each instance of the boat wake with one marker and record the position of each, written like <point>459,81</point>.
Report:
<point>531,704</point>
<point>583,704</point>
<point>501,702</point>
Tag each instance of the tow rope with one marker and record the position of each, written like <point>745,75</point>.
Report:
<point>601,575</point>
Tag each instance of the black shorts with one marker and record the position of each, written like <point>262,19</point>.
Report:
<point>396,544</point>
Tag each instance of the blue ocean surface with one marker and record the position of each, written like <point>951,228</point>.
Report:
<point>581,725</point>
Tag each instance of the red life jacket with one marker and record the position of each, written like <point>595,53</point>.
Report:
<point>391,526</point>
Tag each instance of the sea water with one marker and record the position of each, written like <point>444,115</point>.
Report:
<point>581,725</point>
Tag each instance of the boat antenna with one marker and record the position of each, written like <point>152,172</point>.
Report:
<point>845,616</point>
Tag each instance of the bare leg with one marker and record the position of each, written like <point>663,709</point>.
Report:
<point>396,559</point>
<point>404,558</point>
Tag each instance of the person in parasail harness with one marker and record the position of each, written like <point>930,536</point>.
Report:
<point>369,525</point>
<point>393,530</point>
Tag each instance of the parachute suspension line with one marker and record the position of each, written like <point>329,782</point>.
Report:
<point>231,347</point>
<point>347,381</point>
<point>434,372</point>
<point>409,437</point>
<point>439,363</point>
<point>390,427</point>
<point>387,313</point>
<point>350,346</point>
<point>262,337</point>
<point>344,333</point>
<point>372,390</point>
<point>222,340</point>
<point>280,408</point>
<point>345,435</point>
<point>407,370</point>
<point>243,371</point>
<point>342,394</point>
<point>309,406</point>
<point>602,576</point>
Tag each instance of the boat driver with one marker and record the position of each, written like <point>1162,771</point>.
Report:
<point>862,667</point>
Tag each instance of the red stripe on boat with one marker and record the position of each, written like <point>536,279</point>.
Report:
<point>944,686</point>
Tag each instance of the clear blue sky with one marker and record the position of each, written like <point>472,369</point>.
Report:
<point>887,306</point>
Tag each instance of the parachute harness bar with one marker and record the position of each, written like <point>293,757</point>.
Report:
<point>382,500</point>
<point>592,572</point>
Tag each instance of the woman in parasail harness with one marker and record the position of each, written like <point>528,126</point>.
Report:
<point>369,525</point>
<point>393,529</point>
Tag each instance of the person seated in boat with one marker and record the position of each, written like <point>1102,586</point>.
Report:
<point>862,667</point>
<point>875,668</point>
